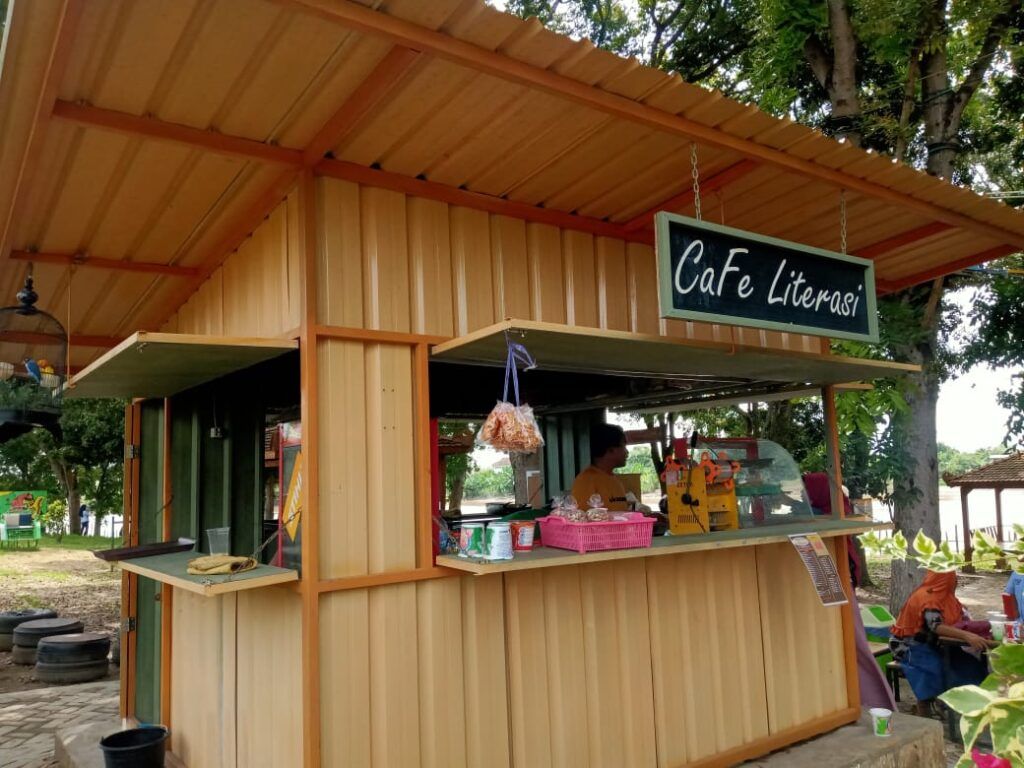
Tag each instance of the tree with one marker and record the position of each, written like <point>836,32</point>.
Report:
<point>86,462</point>
<point>853,52</point>
<point>997,323</point>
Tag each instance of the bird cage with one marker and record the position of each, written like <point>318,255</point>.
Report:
<point>33,351</point>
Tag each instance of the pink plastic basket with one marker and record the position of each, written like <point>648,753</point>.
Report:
<point>591,537</point>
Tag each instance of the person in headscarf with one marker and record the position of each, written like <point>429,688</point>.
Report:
<point>933,611</point>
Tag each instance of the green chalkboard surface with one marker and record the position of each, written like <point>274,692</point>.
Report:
<point>723,275</point>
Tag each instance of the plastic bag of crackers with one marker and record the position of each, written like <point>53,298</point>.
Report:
<point>511,428</point>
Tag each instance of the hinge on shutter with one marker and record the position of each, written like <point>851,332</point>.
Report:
<point>131,451</point>
<point>129,624</point>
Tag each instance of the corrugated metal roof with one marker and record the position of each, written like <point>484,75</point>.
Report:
<point>493,104</point>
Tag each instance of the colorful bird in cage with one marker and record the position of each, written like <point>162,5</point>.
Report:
<point>32,369</point>
<point>44,366</point>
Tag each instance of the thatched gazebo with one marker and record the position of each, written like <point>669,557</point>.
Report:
<point>1003,473</point>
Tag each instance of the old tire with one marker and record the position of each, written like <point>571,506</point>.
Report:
<point>115,652</point>
<point>73,648</point>
<point>30,633</point>
<point>24,656</point>
<point>6,641</point>
<point>74,672</point>
<point>10,619</point>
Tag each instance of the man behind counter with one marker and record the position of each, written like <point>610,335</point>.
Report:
<point>608,452</point>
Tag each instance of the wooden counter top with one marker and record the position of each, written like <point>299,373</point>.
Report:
<point>170,569</point>
<point>550,557</point>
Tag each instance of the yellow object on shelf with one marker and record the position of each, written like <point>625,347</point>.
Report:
<point>695,506</point>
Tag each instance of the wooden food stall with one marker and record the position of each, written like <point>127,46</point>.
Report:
<point>255,215</point>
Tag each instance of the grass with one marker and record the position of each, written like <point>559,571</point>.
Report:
<point>69,541</point>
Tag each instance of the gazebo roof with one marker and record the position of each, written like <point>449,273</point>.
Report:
<point>1005,472</point>
<point>144,141</point>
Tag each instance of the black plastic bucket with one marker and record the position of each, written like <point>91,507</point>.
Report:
<point>135,748</point>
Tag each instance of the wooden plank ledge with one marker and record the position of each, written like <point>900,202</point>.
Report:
<point>550,557</point>
<point>171,569</point>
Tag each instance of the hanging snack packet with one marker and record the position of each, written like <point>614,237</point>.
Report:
<point>511,427</point>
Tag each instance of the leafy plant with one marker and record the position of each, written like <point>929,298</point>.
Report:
<point>940,557</point>
<point>997,704</point>
<point>53,518</point>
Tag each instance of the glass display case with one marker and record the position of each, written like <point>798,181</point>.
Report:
<point>764,476</point>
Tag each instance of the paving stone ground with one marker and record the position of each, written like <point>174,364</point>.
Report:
<point>28,719</point>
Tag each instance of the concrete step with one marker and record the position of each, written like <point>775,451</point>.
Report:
<point>916,742</point>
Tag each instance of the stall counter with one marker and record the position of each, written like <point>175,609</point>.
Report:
<point>550,557</point>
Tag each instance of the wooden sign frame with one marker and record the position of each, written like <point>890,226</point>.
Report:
<point>735,279</point>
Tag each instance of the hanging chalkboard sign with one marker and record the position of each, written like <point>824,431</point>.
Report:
<point>723,275</point>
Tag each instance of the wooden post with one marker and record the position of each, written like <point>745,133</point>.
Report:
<point>835,472</point>
<point>166,590</point>
<point>310,453</point>
<point>1000,562</point>
<point>968,551</point>
<point>835,476</point>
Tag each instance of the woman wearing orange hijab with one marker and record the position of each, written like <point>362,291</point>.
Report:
<point>933,611</point>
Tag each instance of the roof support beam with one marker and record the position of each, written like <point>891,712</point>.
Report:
<point>721,179</point>
<point>432,190</point>
<point>86,261</point>
<point>357,107</point>
<point>240,229</point>
<point>365,20</point>
<point>903,238</point>
<point>948,268</point>
<point>152,128</point>
<point>56,62</point>
<point>384,77</point>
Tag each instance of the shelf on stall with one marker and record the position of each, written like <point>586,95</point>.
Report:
<point>171,569</point>
<point>549,557</point>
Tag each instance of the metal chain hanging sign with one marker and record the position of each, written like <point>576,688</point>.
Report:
<point>724,275</point>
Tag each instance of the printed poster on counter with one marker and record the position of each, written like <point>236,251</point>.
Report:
<point>820,567</point>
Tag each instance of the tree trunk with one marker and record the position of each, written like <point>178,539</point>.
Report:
<point>843,81</point>
<point>74,499</point>
<point>458,488</point>
<point>917,492</point>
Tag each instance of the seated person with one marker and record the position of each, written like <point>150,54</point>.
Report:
<point>933,611</point>
<point>1015,588</point>
<point>608,452</point>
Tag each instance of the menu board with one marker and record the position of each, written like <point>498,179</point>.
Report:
<point>821,567</point>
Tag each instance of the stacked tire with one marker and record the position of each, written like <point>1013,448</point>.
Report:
<point>73,658</point>
<point>11,619</point>
<point>28,634</point>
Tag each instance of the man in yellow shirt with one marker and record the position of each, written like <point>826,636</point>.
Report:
<point>608,452</point>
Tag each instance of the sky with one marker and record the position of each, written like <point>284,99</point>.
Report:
<point>968,415</point>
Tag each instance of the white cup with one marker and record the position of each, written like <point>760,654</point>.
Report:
<point>881,721</point>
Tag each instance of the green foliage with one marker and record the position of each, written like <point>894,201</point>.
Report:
<point>924,551</point>
<point>958,462</point>
<point>997,337</point>
<point>940,557</point>
<point>89,457</point>
<point>489,483</point>
<point>54,518</point>
<point>640,463</point>
<point>705,41</point>
<point>996,704</point>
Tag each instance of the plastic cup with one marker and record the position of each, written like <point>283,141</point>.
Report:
<point>997,631</point>
<point>218,540</point>
<point>881,721</point>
